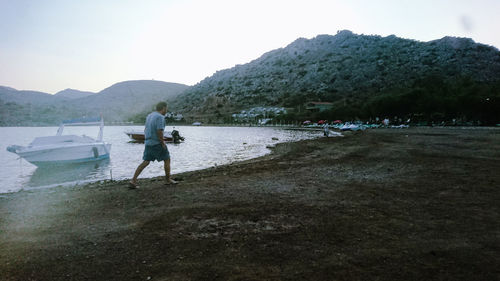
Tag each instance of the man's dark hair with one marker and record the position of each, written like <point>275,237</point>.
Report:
<point>161,105</point>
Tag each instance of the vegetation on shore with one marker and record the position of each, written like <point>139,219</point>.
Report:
<point>431,100</point>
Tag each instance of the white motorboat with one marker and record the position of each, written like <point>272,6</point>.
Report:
<point>62,149</point>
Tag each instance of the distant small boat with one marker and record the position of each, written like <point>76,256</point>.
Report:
<point>351,127</point>
<point>196,124</point>
<point>138,136</point>
<point>402,126</point>
<point>63,149</point>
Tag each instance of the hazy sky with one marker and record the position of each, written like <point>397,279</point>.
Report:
<point>51,45</point>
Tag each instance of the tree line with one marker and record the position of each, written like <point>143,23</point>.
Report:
<point>432,99</point>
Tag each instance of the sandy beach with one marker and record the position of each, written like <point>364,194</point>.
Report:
<point>384,204</point>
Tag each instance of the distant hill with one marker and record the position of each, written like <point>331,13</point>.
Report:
<point>355,72</point>
<point>124,99</point>
<point>117,103</point>
<point>73,94</point>
<point>8,94</point>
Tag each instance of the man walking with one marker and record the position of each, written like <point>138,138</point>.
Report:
<point>155,147</point>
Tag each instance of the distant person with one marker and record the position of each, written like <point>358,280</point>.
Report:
<point>386,122</point>
<point>155,147</point>
<point>326,130</point>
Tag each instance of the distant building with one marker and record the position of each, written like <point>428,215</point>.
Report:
<point>317,106</point>
<point>174,116</point>
<point>264,113</point>
<point>171,116</point>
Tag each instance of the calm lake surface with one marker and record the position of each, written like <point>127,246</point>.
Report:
<point>204,147</point>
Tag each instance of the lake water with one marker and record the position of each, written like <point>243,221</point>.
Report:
<point>204,147</point>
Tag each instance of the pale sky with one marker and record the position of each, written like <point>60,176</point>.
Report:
<point>51,45</point>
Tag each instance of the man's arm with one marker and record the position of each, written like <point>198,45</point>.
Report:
<point>159,133</point>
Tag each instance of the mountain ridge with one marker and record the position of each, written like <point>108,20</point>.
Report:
<point>73,94</point>
<point>117,102</point>
<point>345,68</point>
<point>363,76</point>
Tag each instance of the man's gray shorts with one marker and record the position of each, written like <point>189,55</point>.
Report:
<point>155,152</point>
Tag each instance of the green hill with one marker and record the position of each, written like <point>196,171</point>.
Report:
<point>363,76</point>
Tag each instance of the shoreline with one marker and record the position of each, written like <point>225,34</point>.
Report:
<point>29,182</point>
<point>106,182</point>
<point>256,125</point>
<point>417,203</point>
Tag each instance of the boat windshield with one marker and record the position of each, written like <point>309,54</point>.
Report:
<point>61,139</point>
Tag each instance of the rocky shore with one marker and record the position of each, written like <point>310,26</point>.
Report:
<point>410,204</point>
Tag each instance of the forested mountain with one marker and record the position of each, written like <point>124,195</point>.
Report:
<point>364,76</point>
<point>117,103</point>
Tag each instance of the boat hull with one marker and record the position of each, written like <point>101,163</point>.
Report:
<point>64,155</point>
<point>139,137</point>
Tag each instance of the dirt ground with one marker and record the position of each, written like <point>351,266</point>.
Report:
<point>409,204</point>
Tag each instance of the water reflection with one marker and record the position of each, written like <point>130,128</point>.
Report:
<point>59,174</point>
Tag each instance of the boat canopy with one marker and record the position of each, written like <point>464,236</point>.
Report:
<point>86,121</point>
<point>83,121</point>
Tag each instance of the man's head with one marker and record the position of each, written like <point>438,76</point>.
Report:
<point>161,107</point>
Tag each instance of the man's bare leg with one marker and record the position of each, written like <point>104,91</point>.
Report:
<point>138,171</point>
<point>166,166</point>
